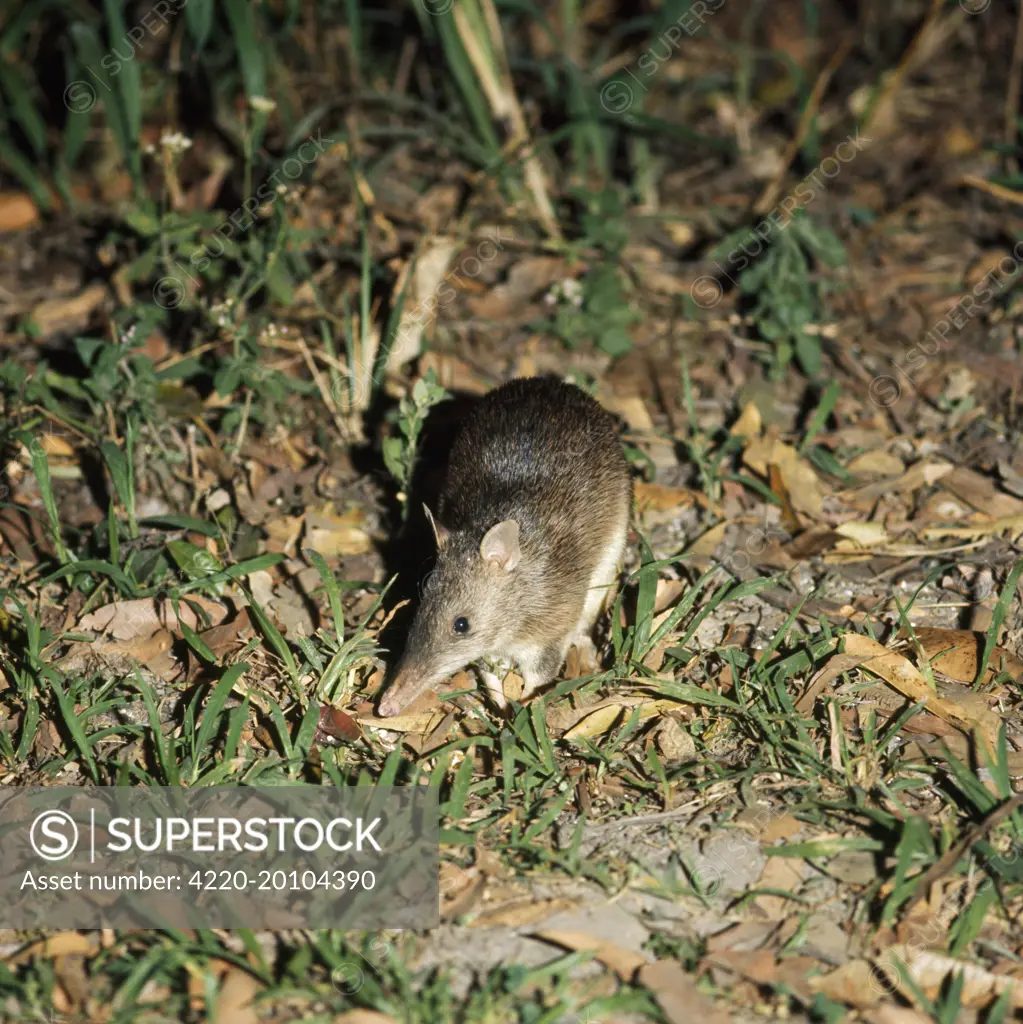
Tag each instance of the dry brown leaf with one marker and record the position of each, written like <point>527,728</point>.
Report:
<point>335,724</point>
<point>982,493</point>
<point>61,944</point>
<point>596,722</point>
<point>624,962</point>
<point>853,983</point>
<point>801,482</point>
<point>54,444</point>
<point>525,280</point>
<point>412,721</point>
<point>930,970</point>
<point>677,995</point>
<point>453,373</point>
<point>784,873</point>
<point>985,529</point>
<point>706,544</point>
<point>17,211</point>
<point>68,313</point>
<point>632,409</point>
<point>876,464</point>
<point>923,474</point>
<point>283,533</point>
<point>229,636</point>
<point>832,669</point>
<point>899,673</point>
<point>957,653</point>
<point>520,912</point>
<point>667,593</point>
<point>780,826</point>
<point>425,294</point>
<point>750,424</point>
<point>675,744</point>
<point>23,534</point>
<point>235,1000</point>
<point>129,620</point>
<point>333,535</point>
<point>659,498</point>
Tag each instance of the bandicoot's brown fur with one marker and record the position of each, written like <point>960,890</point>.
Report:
<point>530,529</point>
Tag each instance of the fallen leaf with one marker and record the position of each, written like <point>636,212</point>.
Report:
<point>985,529</point>
<point>930,970</point>
<point>17,211</point>
<point>798,476</point>
<point>750,425</point>
<point>784,873</point>
<point>61,944</point>
<point>981,493</point>
<point>900,674</point>
<point>70,313</point>
<point>235,1000</point>
<point>622,961</point>
<point>659,498</point>
<point>520,912</point>
<point>128,620</point>
<point>854,983</point>
<point>630,408</point>
<point>678,996</point>
<point>453,373</point>
<point>676,745</point>
<point>597,722</point>
<point>865,535</point>
<point>957,653</point>
<point>336,535</point>
<point>423,298</point>
<point>526,279</point>
<point>335,724</point>
<point>876,464</point>
<point>923,474</point>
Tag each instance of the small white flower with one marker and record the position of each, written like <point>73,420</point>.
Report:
<point>262,104</point>
<point>175,142</point>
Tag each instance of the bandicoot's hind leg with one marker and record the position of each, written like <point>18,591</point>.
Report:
<point>600,592</point>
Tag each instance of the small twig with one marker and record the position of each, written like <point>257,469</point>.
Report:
<point>325,394</point>
<point>1012,92</point>
<point>998,191</point>
<point>946,862</point>
<point>240,439</point>
<point>908,58</point>
<point>771,194</point>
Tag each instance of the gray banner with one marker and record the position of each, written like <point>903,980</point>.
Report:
<point>224,857</point>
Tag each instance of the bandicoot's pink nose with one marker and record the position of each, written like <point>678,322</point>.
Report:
<point>388,708</point>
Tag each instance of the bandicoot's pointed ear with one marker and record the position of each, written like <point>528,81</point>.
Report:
<point>500,545</point>
<point>439,532</point>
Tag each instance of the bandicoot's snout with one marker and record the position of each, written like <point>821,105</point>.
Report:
<point>404,689</point>
<point>388,707</point>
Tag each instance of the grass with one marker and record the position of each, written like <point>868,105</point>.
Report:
<point>509,785</point>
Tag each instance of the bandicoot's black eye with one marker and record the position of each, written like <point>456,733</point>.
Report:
<point>461,624</point>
